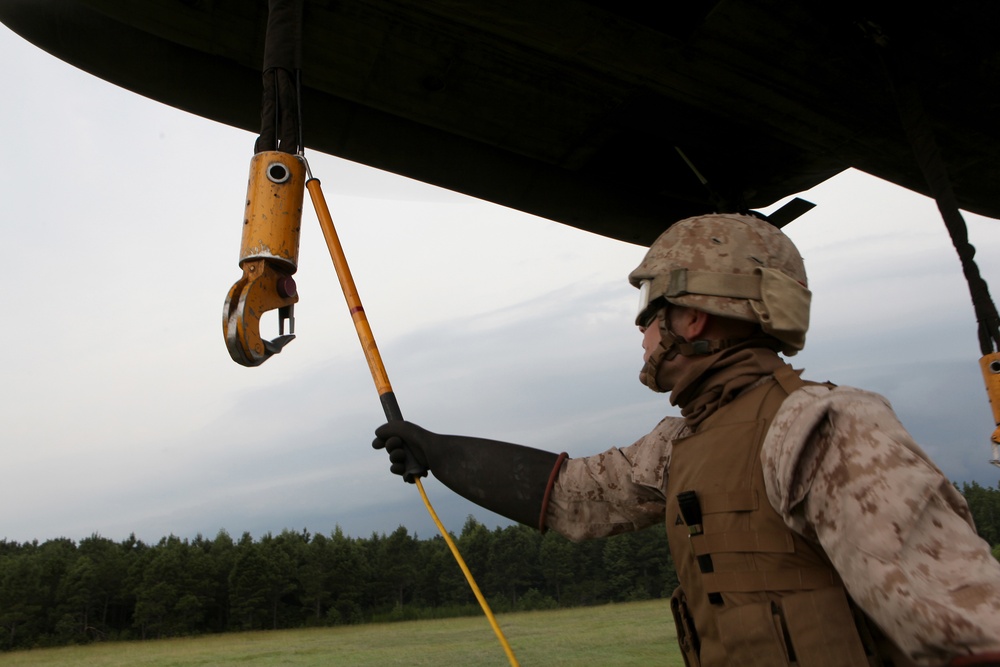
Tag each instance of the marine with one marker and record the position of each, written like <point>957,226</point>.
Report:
<point>806,525</point>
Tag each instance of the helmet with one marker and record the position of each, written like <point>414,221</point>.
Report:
<point>730,265</point>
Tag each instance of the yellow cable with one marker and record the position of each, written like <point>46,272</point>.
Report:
<point>468,577</point>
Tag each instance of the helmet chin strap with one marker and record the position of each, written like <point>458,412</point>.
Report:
<point>672,345</point>
<point>665,351</point>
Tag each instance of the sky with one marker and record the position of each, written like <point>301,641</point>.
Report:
<point>122,413</point>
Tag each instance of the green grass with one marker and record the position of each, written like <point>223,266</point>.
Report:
<point>620,635</point>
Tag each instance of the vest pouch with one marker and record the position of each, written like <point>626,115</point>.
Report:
<point>687,636</point>
<point>821,628</point>
<point>752,637</point>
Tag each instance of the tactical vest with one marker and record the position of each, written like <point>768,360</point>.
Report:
<point>753,592</point>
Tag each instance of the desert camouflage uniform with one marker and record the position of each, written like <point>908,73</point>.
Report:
<point>840,469</point>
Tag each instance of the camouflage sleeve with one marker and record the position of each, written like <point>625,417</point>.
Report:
<point>841,469</point>
<point>616,491</point>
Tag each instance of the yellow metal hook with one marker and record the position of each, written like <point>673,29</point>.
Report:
<point>268,256</point>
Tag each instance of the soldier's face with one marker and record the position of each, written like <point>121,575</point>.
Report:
<point>650,337</point>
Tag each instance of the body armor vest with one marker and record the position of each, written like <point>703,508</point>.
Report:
<point>753,592</point>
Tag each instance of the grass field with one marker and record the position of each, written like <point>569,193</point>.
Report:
<point>633,634</point>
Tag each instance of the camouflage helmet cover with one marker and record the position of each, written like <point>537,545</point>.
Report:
<point>734,266</point>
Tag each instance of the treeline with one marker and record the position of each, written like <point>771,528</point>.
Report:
<point>61,592</point>
<point>984,503</point>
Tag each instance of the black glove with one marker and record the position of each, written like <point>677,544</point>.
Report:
<point>510,480</point>
<point>400,438</point>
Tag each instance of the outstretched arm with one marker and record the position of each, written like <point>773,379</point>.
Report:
<point>511,480</point>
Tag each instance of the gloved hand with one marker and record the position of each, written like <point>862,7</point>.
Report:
<point>510,480</point>
<point>407,445</point>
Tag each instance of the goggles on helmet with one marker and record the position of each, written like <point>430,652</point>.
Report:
<point>648,308</point>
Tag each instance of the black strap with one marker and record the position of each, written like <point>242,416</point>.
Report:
<point>280,112</point>
<point>690,510</point>
<point>917,126</point>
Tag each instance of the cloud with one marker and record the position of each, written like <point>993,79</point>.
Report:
<point>121,411</point>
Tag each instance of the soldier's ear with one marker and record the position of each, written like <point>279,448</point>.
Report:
<point>689,323</point>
